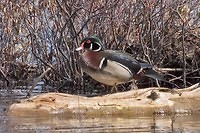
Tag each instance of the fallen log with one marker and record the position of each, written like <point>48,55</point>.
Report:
<point>143,102</point>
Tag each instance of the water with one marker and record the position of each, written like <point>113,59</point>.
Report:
<point>156,124</point>
<point>83,124</point>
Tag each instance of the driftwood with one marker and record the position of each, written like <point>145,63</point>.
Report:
<point>143,102</point>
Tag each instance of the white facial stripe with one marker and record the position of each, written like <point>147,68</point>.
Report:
<point>98,48</point>
<point>101,63</point>
<point>91,44</point>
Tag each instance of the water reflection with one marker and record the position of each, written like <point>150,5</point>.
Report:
<point>156,124</point>
<point>63,123</point>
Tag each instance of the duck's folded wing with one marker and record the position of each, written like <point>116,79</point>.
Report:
<point>132,65</point>
<point>124,60</point>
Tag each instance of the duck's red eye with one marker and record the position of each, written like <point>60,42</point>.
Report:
<point>88,41</point>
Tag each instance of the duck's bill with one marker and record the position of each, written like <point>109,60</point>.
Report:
<point>79,48</point>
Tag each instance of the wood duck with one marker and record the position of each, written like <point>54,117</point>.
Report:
<point>112,67</point>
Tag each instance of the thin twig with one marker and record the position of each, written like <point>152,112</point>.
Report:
<point>37,80</point>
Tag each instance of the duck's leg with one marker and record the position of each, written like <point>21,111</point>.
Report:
<point>114,89</point>
<point>133,85</point>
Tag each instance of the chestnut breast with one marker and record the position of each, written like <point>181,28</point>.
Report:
<point>111,74</point>
<point>92,59</point>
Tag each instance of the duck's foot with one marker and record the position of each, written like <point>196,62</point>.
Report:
<point>113,89</point>
<point>133,86</point>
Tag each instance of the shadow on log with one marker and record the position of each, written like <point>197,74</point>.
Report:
<point>142,102</point>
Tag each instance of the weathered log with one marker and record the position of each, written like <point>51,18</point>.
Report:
<point>144,102</point>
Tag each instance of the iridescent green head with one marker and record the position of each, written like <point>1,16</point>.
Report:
<point>91,43</point>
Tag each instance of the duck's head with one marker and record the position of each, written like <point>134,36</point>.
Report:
<point>91,43</point>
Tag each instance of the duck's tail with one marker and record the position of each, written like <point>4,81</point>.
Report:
<point>153,74</point>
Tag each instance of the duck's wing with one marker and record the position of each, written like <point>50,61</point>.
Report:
<point>126,60</point>
<point>133,66</point>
